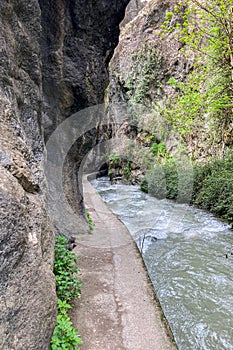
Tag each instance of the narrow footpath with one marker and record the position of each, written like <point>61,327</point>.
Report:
<point>118,309</point>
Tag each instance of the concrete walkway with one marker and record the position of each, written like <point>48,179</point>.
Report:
<point>118,309</point>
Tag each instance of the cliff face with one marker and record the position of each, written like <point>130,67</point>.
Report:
<point>78,40</point>
<point>27,288</point>
<point>77,44</point>
<point>54,58</point>
<point>142,65</point>
<point>132,10</point>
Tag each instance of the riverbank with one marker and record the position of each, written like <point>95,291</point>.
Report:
<point>118,308</point>
<point>186,252</point>
<point>208,186</point>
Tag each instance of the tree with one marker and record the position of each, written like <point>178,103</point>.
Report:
<point>206,29</point>
<point>214,19</point>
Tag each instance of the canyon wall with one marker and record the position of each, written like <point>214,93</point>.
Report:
<point>145,60</point>
<point>54,59</point>
<point>27,286</point>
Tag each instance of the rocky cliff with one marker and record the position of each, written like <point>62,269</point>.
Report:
<point>143,63</point>
<point>140,69</point>
<point>54,59</point>
<point>27,287</point>
<point>78,40</point>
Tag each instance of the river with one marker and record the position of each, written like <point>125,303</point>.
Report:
<point>187,255</point>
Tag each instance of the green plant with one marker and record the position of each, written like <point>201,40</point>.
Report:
<point>126,171</point>
<point>214,187</point>
<point>205,98</point>
<point>204,27</point>
<point>68,285</point>
<point>158,149</point>
<point>90,220</point>
<point>150,138</point>
<point>162,181</point>
<point>110,172</point>
<point>114,159</point>
<point>209,186</point>
<point>201,100</point>
<point>144,74</point>
<point>144,185</point>
<point>65,335</point>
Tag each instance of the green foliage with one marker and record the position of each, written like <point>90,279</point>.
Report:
<point>144,75</point>
<point>144,184</point>
<point>114,159</point>
<point>186,109</point>
<point>157,183</point>
<point>68,287</point>
<point>90,220</point>
<point>126,171</point>
<point>216,190</point>
<point>197,100</point>
<point>209,186</point>
<point>205,28</point>
<point>158,149</point>
<point>150,138</point>
<point>162,181</point>
<point>65,335</point>
<point>66,271</point>
<point>169,15</point>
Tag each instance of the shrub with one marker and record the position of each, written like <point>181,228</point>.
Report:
<point>144,185</point>
<point>162,181</point>
<point>171,177</point>
<point>90,220</point>
<point>157,182</point>
<point>209,186</point>
<point>64,335</point>
<point>66,271</point>
<point>216,194</point>
<point>68,287</point>
<point>114,159</point>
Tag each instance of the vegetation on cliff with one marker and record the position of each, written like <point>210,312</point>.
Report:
<point>180,68</point>
<point>205,97</point>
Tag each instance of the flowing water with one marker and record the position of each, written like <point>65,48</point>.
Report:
<point>187,254</point>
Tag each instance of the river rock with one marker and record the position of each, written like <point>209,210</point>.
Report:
<point>147,236</point>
